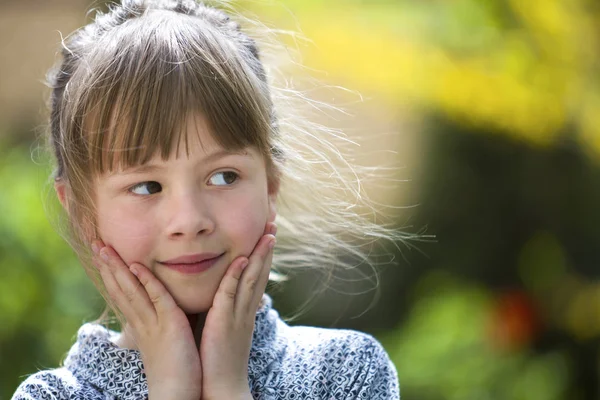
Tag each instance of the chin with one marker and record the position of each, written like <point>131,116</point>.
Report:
<point>194,298</point>
<point>195,307</point>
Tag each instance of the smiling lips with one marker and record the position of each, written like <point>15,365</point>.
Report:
<point>192,264</point>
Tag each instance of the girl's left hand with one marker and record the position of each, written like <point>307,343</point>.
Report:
<point>229,323</point>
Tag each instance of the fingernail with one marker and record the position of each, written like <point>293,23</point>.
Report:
<point>95,248</point>
<point>244,265</point>
<point>104,255</point>
<point>274,230</point>
<point>272,243</point>
<point>133,270</point>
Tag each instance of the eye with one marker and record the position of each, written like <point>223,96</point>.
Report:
<point>146,188</point>
<point>224,178</point>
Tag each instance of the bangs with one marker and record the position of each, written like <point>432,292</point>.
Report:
<point>137,95</point>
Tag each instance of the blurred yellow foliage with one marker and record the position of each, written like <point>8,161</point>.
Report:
<point>529,83</point>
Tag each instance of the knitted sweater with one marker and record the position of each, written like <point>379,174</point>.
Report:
<point>285,363</point>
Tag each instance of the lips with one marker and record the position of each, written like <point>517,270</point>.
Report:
<point>193,263</point>
<point>191,259</point>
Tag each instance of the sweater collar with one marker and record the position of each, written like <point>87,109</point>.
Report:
<point>97,360</point>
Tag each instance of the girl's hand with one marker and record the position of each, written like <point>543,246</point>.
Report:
<point>159,327</point>
<point>229,324</point>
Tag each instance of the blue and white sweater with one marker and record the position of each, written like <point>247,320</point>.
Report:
<point>285,363</point>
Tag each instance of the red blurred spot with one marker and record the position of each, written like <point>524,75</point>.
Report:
<point>514,321</point>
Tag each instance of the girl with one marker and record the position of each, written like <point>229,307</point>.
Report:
<point>171,147</point>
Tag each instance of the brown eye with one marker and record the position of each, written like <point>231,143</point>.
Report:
<point>146,188</point>
<point>223,178</point>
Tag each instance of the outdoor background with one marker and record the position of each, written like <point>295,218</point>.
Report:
<point>492,110</point>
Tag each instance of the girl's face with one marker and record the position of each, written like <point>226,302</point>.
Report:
<point>211,201</point>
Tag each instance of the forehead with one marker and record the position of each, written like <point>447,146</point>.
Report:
<point>192,160</point>
<point>125,145</point>
<point>197,142</point>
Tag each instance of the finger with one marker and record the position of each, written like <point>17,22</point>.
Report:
<point>270,228</point>
<point>110,283</point>
<point>132,297</point>
<point>113,290</point>
<point>225,298</point>
<point>263,280</point>
<point>157,293</point>
<point>254,279</point>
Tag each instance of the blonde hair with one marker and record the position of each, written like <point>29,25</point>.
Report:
<point>145,66</point>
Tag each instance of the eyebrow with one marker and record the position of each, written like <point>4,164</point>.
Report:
<point>148,168</point>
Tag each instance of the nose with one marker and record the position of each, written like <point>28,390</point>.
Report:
<point>189,215</point>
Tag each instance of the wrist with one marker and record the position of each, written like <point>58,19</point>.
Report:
<point>164,393</point>
<point>229,395</point>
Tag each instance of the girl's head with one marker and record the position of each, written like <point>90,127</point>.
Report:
<point>166,144</point>
<point>162,126</point>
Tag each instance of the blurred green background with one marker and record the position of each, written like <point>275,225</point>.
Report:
<point>491,108</point>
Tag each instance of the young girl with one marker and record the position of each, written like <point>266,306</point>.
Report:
<point>172,150</point>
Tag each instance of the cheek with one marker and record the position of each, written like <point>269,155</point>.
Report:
<point>244,222</point>
<point>128,230</point>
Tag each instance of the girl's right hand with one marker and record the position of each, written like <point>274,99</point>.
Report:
<point>158,326</point>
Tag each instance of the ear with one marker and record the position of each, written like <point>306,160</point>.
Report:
<point>61,192</point>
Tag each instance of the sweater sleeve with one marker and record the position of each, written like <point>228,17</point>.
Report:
<point>377,379</point>
<point>53,384</point>
<point>40,386</point>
